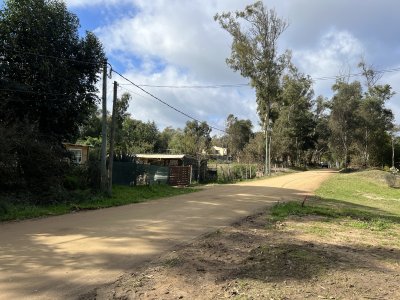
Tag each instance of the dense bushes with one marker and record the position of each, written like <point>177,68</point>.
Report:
<point>234,172</point>
<point>35,169</point>
<point>29,162</point>
<point>392,177</point>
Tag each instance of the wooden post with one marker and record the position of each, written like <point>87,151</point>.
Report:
<point>112,134</point>
<point>103,160</point>
<point>191,170</point>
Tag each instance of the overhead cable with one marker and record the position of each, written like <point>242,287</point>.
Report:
<point>163,102</point>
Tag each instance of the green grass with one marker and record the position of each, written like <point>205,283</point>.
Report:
<point>356,218</point>
<point>366,190</point>
<point>362,200</point>
<point>122,195</point>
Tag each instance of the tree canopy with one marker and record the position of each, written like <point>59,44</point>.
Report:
<point>239,133</point>
<point>48,73</point>
<point>255,32</point>
<point>48,76</point>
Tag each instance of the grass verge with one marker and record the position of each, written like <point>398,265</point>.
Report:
<point>362,199</point>
<point>122,195</point>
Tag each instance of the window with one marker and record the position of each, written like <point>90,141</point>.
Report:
<point>76,155</point>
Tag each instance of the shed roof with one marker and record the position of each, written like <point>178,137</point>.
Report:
<point>163,156</point>
<point>76,145</point>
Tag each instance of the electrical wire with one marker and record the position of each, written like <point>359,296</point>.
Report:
<point>163,102</point>
<point>214,86</point>
<point>357,74</point>
<point>31,92</point>
<point>210,86</point>
<point>36,93</point>
<point>238,85</point>
<point>132,92</point>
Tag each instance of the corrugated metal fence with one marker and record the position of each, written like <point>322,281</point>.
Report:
<point>125,173</point>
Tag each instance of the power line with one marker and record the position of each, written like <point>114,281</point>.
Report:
<point>163,102</point>
<point>210,86</point>
<point>55,95</point>
<point>357,74</point>
<point>132,92</point>
<point>213,86</point>
<point>32,92</point>
<point>239,85</point>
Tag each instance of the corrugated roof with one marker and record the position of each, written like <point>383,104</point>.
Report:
<point>162,156</point>
<point>76,145</point>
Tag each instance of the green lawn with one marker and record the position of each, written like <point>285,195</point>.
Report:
<point>85,200</point>
<point>363,199</point>
<point>366,190</point>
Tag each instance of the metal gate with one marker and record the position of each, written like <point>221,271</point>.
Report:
<point>180,175</point>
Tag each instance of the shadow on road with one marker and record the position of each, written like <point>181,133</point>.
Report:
<point>63,256</point>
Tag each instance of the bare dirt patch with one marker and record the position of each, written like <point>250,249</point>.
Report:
<point>302,257</point>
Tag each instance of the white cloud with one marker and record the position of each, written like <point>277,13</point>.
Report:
<point>177,42</point>
<point>394,104</point>
<point>192,49</point>
<point>336,50</point>
<point>83,3</point>
<point>337,53</point>
<point>202,104</point>
<point>182,33</point>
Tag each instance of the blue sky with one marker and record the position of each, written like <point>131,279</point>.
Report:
<point>177,42</point>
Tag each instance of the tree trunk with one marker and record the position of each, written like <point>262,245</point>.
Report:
<point>392,151</point>
<point>267,145</point>
<point>366,156</point>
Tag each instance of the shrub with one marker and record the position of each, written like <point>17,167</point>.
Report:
<point>391,179</point>
<point>31,164</point>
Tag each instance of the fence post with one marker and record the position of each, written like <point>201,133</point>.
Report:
<point>190,180</point>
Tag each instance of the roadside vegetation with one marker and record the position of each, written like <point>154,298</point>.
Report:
<point>343,243</point>
<point>359,195</point>
<point>18,209</point>
<point>231,172</point>
<point>50,96</point>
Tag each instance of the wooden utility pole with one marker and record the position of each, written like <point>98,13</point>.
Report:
<point>112,134</point>
<point>267,171</point>
<point>103,160</point>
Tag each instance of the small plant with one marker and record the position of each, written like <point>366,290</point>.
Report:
<point>391,178</point>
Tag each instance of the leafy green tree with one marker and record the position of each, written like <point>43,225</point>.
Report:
<point>239,134</point>
<point>92,125</point>
<point>294,129</point>
<point>48,78</point>
<point>48,73</point>
<point>322,132</point>
<point>254,151</point>
<point>375,119</point>
<point>255,32</point>
<point>137,137</point>
<point>395,140</point>
<point>164,139</point>
<point>122,115</point>
<point>194,139</point>
<point>344,120</point>
<point>177,144</point>
<point>197,137</point>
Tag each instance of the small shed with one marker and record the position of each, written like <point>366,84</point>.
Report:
<point>166,160</point>
<point>198,166</point>
<point>80,153</point>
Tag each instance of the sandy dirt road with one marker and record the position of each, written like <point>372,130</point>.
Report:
<point>65,256</point>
